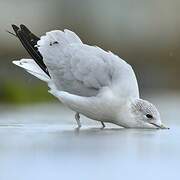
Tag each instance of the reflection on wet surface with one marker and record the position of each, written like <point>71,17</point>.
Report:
<point>42,142</point>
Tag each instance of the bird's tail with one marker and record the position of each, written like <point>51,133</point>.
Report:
<point>32,67</point>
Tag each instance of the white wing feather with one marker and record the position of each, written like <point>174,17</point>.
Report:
<point>31,66</point>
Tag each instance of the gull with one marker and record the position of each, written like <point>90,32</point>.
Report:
<point>87,79</point>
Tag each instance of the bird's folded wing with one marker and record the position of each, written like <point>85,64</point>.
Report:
<point>81,69</point>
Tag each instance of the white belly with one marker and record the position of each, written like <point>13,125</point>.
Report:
<point>101,108</point>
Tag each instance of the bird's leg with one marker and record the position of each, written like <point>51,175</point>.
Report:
<point>103,125</point>
<point>77,117</point>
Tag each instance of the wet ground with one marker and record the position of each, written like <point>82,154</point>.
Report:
<point>41,142</point>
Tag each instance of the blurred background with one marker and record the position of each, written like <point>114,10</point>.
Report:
<point>38,136</point>
<point>144,33</point>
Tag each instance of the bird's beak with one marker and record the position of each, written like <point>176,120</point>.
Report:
<point>162,126</point>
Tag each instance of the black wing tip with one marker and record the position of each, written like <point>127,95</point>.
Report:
<point>27,37</point>
<point>29,33</point>
<point>24,28</point>
<point>22,25</point>
<point>15,28</point>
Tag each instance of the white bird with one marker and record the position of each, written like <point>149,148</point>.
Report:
<point>87,79</point>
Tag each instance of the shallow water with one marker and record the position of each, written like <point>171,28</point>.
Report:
<point>41,142</point>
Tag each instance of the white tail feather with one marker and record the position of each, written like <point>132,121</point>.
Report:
<point>30,66</point>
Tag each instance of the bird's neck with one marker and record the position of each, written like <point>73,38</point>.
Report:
<point>125,116</point>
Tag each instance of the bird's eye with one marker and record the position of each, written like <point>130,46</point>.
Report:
<point>149,116</point>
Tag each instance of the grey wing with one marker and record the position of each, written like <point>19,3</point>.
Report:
<point>87,72</point>
<point>81,69</point>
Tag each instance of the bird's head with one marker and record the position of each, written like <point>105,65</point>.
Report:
<point>146,114</point>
